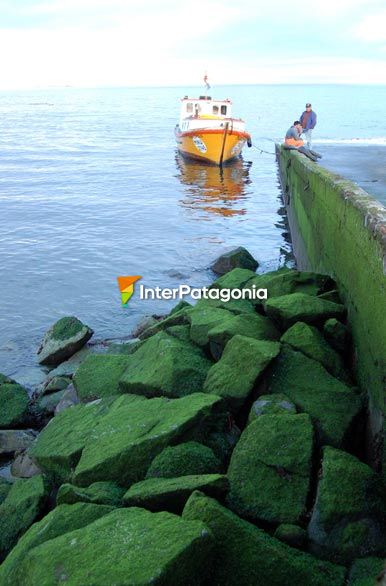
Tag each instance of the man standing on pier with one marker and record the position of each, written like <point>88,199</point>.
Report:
<point>308,122</point>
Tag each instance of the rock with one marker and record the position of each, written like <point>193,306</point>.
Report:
<point>118,439</point>
<point>271,405</point>
<point>365,572</point>
<point>189,458</point>
<point>203,320</point>
<point>126,348</point>
<point>6,380</point>
<point>68,367</point>
<point>98,376</point>
<point>348,519</point>
<point>62,340</point>
<point>13,440</point>
<point>180,305</point>
<point>171,494</point>
<point>292,535</point>
<point>337,335</point>
<point>56,383</point>
<point>5,487</point>
<point>332,295</point>
<point>332,405</point>
<point>165,366</point>
<point>235,258</point>
<point>233,377</point>
<point>182,333</point>
<point>98,493</point>
<point>129,547</point>
<point>235,279</point>
<point>245,555</point>
<point>288,309</point>
<point>69,399</point>
<point>146,322</point>
<point>177,318</point>
<point>61,520</point>
<point>14,402</point>
<point>48,403</point>
<point>23,504</point>
<point>253,326</point>
<point>309,340</point>
<point>235,306</point>
<point>269,471</point>
<point>24,467</point>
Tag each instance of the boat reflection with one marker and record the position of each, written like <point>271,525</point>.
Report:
<point>214,190</point>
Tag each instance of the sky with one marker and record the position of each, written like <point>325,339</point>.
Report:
<point>93,43</point>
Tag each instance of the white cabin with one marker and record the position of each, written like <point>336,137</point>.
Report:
<point>204,106</point>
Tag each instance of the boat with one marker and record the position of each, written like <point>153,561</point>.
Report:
<point>207,131</point>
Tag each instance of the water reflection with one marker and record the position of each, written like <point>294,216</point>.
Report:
<point>214,190</point>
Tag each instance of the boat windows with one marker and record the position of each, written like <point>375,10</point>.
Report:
<point>189,107</point>
<point>223,110</point>
<point>215,110</point>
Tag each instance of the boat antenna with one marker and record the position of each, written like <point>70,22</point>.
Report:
<point>207,86</point>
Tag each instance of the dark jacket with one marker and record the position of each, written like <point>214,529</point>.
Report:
<point>311,122</point>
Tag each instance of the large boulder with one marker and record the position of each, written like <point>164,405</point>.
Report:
<point>236,258</point>
<point>129,547</point>
<point>349,516</point>
<point>171,494</point>
<point>62,340</point>
<point>202,320</point>
<point>98,493</point>
<point>234,376</point>
<point>13,440</point>
<point>332,405</point>
<point>118,440</point>
<point>245,555</point>
<point>14,402</point>
<point>271,405</point>
<point>98,376</point>
<point>165,366</point>
<point>184,459</point>
<point>288,309</point>
<point>270,467</point>
<point>22,505</point>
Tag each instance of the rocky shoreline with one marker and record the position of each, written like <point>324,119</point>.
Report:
<point>223,444</point>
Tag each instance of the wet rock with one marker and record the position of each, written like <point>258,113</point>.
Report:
<point>24,467</point>
<point>63,519</point>
<point>69,399</point>
<point>62,340</point>
<point>48,403</point>
<point>55,384</point>
<point>14,402</point>
<point>23,504</point>
<point>98,493</point>
<point>189,458</point>
<point>202,321</point>
<point>68,367</point>
<point>165,366</point>
<point>132,557</point>
<point>13,440</point>
<point>365,572</point>
<point>126,348</point>
<point>253,326</point>
<point>171,494</point>
<point>118,439</point>
<point>233,377</point>
<point>337,335</point>
<point>98,376</point>
<point>235,258</point>
<point>288,309</point>
<point>271,405</point>
<point>245,554</point>
<point>292,535</point>
<point>176,318</point>
<point>332,405</point>
<point>269,471</point>
<point>349,515</point>
<point>146,322</point>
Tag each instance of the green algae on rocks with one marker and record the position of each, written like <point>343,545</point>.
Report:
<point>98,493</point>
<point>271,405</point>
<point>236,258</point>
<point>62,340</point>
<point>183,460</point>
<point>364,572</point>
<point>98,376</point>
<point>288,309</point>
<point>14,403</point>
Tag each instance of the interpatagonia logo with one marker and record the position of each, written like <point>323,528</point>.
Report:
<point>126,287</point>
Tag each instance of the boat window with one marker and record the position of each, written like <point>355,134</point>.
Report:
<point>189,107</point>
<point>223,110</point>
<point>215,109</point>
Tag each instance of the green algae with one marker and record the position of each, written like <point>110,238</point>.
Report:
<point>184,459</point>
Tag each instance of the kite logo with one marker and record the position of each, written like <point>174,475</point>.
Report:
<point>126,287</point>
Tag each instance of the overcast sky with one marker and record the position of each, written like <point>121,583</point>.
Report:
<point>171,42</point>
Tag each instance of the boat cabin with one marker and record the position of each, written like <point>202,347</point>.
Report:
<point>206,107</point>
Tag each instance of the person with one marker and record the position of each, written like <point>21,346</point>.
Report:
<point>294,141</point>
<point>308,122</point>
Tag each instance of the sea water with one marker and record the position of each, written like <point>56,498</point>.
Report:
<point>91,187</point>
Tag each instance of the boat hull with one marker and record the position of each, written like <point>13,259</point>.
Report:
<point>215,146</point>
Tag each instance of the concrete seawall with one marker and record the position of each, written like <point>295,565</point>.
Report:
<point>338,229</point>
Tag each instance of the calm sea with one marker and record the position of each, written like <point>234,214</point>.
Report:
<point>91,188</point>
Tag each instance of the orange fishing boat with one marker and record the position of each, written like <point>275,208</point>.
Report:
<point>207,131</point>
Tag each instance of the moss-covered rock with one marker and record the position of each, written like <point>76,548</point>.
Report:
<point>5,487</point>
<point>292,535</point>
<point>235,306</point>
<point>98,376</point>
<point>14,440</point>
<point>182,333</point>
<point>332,405</point>
<point>288,309</point>
<point>235,258</point>
<point>189,458</point>
<point>48,403</point>
<point>245,555</point>
<point>22,505</point>
<point>337,335</point>
<point>349,515</point>
<point>271,405</point>
<point>309,340</point>
<point>234,279</point>
<point>55,384</point>
<point>244,359</point>
<point>14,403</point>
<point>171,494</point>
<point>129,547</point>
<point>117,441</point>
<point>269,471</point>
<point>253,326</point>
<point>203,320</point>
<point>165,366</point>
<point>99,493</point>
<point>62,340</point>
<point>61,520</point>
<point>175,318</point>
<point>365,572</point>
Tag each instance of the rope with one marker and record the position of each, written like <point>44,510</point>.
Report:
<point>263,151</point>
